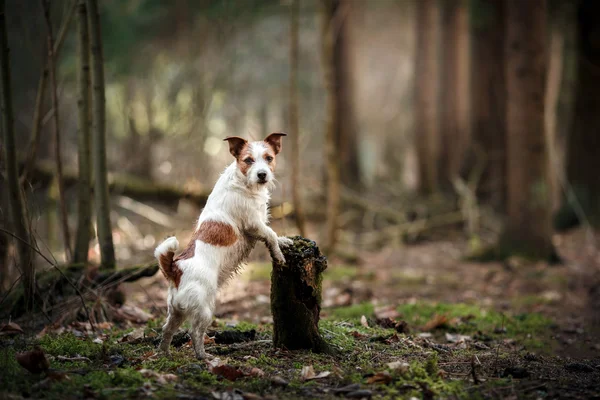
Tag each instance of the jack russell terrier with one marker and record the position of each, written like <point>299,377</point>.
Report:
<point>234,218</point>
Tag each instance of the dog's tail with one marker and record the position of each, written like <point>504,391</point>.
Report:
<point>164,253</point>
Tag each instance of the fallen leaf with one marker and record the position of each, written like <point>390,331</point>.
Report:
<point>162,379</point>
<point>399,366</point>
<point>456,338</point>
<point>386,312</point>
<point>363,321</point>
<point>228,372</point>
<point>358,335</point>
<point>383,377</point>
<point>322,375</point>
<point>133,336</point>
<point>279,381</point>
<point>437,321</point>
<point>209,340</point>
<point>10,329</point>
<point>131,313</point>
<point>307,372</point>
<point>256,372</point>
<point>34,361</point>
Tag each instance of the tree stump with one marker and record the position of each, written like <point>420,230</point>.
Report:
<point>296,297</point>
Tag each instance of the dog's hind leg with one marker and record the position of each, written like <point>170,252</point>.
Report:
<point>200,322</point>
<point>174,321</point>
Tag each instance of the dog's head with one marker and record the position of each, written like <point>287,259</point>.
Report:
<point>256,160</point>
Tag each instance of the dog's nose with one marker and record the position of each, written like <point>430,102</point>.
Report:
<point>262,175</point>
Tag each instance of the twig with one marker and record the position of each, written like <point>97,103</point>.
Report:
<point>473,372</point>
<point>78,358</point>
<point>59,271</point>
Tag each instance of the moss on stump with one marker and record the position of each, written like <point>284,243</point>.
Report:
<point>296,297</point>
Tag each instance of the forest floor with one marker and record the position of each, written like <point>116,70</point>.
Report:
<point>412,322</point>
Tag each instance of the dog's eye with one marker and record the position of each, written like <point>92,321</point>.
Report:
<point>249,161</point>
<point>269,158</point>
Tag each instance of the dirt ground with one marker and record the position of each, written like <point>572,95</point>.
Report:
<point>410,322</point>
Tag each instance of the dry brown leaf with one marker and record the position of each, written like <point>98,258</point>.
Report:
<point>437,321</point>
<point>363,321</point>
<point>399,366</point>
<point>209,340</point>
<point>307,372</point>
<point>10,329</point>
<point>358,335</point>
<point>256,372</point>
<point>386,312</point>
<point>133,336</point>
<point>228,372</point>
<point>131,313</point>
<point>383,377</point>
<point>34,361</point>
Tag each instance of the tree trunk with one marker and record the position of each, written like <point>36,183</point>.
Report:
<point>488,100</point>
<point>15,198</point>
<point>296,297</point>
<point>102,200</point>
<point>329,12</point>
<point>583,148</point>
<point>84,210</point>
<point>64,216</point>
<point>454,107</point>
<point>293,115</point>
<point>560,90</point>
<point>528,228</point>
<point>346,131</point>
<point>427,95</point>
<point>34,142</point>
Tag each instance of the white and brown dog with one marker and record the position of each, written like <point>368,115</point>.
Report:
<point>235,217</point>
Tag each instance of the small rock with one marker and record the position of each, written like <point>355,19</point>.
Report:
<point>515,372</point>
<point>117,360</point>
<point>359,394</point>
<point>347,389</point>
<point>579,367</point>
<point>279,381</point>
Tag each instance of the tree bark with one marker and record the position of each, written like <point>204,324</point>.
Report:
<point>102,200</point>
<point>329,14</point>
<point>15,197</point>
<point>346,133</point>
<point>583,147</point>
<point>488,100</point>
<point>296,297</point>
<point>528,226</point>
<point>427,95</point>
<point>454,107</point>
<point>560,91</point>
<point>62,203</point>
<point>84,209</point>
<point>293,115</point>
<point>34,142</point>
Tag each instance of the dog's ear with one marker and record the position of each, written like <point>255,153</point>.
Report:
<point>274,140</point>
<point>236,144</point>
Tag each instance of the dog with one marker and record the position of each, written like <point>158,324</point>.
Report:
<point>234,219</point>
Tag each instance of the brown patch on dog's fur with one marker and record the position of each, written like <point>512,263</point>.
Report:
<point>169,268</point>
<point>210,232</point>
<point>244,153</point>
<point>217,233</point>
<point>270,152</point>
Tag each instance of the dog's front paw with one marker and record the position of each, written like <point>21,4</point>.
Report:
<point>278,256</point>
<point>284,241</point>
<point>204,356</point>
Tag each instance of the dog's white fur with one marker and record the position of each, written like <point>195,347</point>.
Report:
<point>240,201</point>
